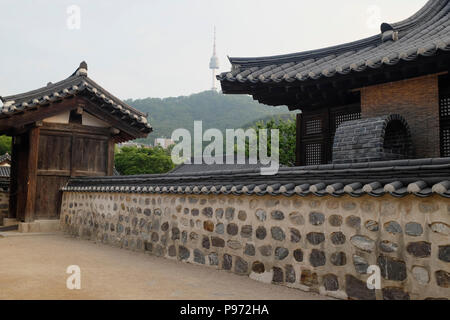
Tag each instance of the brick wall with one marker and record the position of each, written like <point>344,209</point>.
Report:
<point>417,100</point>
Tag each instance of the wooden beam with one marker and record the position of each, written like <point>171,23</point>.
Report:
<point>113,121</point>
<point>33,116</point>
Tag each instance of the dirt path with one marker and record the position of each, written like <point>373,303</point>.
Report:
<point>34,267</point>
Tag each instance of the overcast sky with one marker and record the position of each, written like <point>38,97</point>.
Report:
<point>161,48</point>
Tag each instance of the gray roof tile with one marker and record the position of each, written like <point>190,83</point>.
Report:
<point>426,33</point>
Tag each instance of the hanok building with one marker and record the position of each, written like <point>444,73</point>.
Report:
<point>394,88</point>
<point>317,227</point>
<point>63,130</point>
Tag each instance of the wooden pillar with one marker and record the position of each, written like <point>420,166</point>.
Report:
<point>13,180</point>
<point>110,164</point>
<point>298,146</point>
<point>33,150</point>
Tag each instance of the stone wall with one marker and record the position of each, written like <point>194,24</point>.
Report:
<point>315,244</point>
<point>4,205</point>
<point>417,100</point>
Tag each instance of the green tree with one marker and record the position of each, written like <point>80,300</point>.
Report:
<point>134,160</point>
<point>5,145</point>
<point>287,131</point>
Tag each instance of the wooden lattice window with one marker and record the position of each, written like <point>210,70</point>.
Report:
<point>314,126</point>
<point>343,117</point>
<point>317,132</point>
<point>444,115</point>
<point>314,154</point>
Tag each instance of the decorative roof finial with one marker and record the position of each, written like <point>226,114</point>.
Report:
<point>82,69</point>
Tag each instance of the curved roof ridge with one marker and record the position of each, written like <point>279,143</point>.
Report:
<point>419,18</point>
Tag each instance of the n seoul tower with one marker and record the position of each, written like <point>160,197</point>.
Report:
<point>214,63</point>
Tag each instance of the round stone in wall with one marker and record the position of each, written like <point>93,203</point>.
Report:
<point>392,269</point>
<point>199,257</point>
<point>338,259</point>
<point>361,264</point>
<point>393,227</point>
<point>315,238</point>
<point>261,215</point>
<point>207,212</point>
<point>388,246</point>
<point>261,233</point>
<point>277,215</point>
<point>258,267</point>
<point>419,249</point>
<point>206,243</point>
<point>241,266</point>
<point>295,235</point>
<point>413,229</point>
<point>443,279</point>
<point>392,293</point>
<point>249,250</point>
<point>290,274</point>
<point>281,253</point>
<point>277,234</point>
<point>277,275</point>
<point>229,214</point>
<point>246,231</point>
<point>242,215</point>
<point>297,218</point>
<point>363,243</point>
<point>232,229</point>
<point>219,213</point>
<point>428,207</point>
<point>183,253</point>
<point>353,222</point>
<point>195,212</point>
<point>317,258</point>
<point>208,226</point>
<point>213,259</point>
<point>175,234</point>
<point>441,228</point>
<point>316,218</point>
<point>220,228</point>
<point>335,220</point>
<point>234,244</point>
<point>372,225</point>
<point>331,282</point>
<point>421,275</point>
<point>217,242</point>
<point>227,262</point>
<point>172,251</point>
<point>338,238</point>
<point>266,250</point>
<point>444,253</point>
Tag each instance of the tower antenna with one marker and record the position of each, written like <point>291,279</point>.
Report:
<point>214,63</point>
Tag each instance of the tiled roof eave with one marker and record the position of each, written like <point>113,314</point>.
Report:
<point>70,87</point>
<point>425,34</point>
<point>423,178</point>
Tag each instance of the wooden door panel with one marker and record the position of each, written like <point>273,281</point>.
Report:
<point>90,156</point>
<point>48,196</point>
<point>54,153</point>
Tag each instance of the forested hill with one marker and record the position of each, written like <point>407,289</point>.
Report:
<point>216,110</point>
